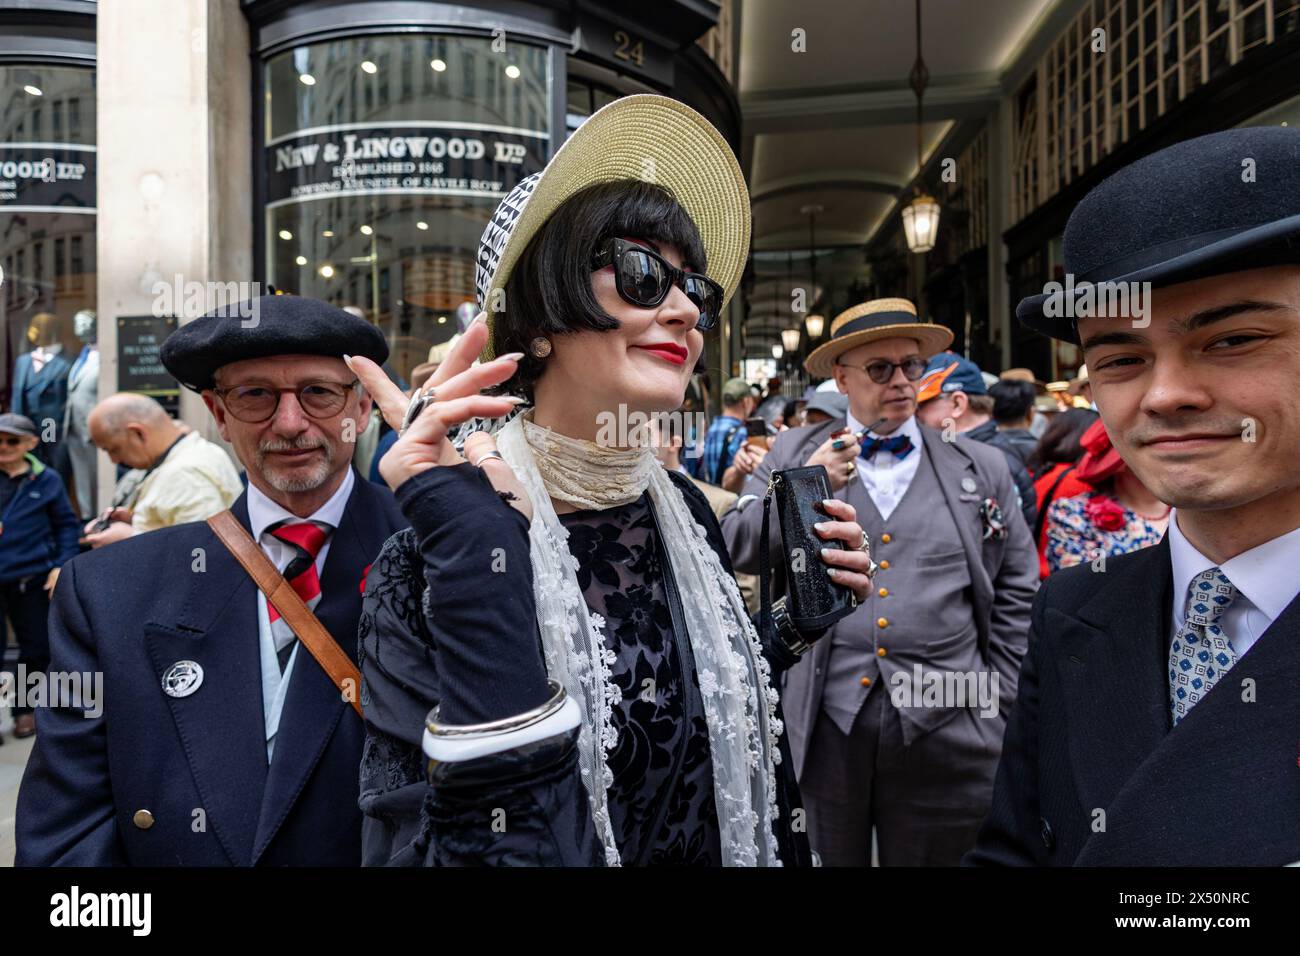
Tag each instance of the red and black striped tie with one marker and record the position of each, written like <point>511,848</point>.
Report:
<point>306,538</point>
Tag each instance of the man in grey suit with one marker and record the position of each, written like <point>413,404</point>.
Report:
<point>896,717</point>
<point>83,395</point>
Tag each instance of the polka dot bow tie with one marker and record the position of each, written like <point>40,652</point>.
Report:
<point>1201,652</point>
<point>900,445</point>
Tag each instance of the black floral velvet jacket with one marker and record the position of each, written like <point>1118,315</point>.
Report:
<point>528,807</point>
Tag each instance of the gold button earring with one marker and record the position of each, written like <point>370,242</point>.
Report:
<point>540,347</point>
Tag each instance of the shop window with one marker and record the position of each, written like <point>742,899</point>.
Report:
<point>47,207</point>
<point>378,187</point>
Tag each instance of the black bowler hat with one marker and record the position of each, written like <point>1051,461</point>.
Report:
<point>269,325</point>
<point>1219,203</point>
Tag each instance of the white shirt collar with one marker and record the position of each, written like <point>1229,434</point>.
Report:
<point>263,512</point>
<point>1264,575</point>
<point>908,428</point>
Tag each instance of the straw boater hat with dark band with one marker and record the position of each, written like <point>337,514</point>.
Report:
<point>870,321</point>
<point>646,137</point>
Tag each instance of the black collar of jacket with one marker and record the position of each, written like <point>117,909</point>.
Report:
<point>1217,789</point>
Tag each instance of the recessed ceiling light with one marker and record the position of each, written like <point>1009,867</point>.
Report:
<point>286,235</point>
<point>307,79</point>
<point>442,320</point>
<point>421,225</point>
<point>369,67</point>
<point>366,230</point>
<point>438,65</point>
<point>328,233</point>
<point>326,270</point>
<point>301,260</point>
<point>512,71</point>
<point>32,90</point>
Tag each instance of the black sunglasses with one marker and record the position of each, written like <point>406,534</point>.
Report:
<point>881,371</point>
<point>644,278</point>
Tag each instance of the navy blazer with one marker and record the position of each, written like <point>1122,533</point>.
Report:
<point>197,764</point>
<point>42,394</point>
<point>1092,773</point>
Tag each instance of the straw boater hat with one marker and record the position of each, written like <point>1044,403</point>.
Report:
<point>647,137</point>
<point>877,319</point>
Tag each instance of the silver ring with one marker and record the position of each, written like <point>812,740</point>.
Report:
<point>492,454</point>
<point>865,542</point>
<point>419,402</point>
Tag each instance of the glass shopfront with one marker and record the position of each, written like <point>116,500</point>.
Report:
<point>47,212</point>
<point>383,157</point>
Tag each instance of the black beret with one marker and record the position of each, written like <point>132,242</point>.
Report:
<point>258,328</point>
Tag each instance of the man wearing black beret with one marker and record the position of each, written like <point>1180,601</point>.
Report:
<point>1156,717</point>
<point>223,739</point>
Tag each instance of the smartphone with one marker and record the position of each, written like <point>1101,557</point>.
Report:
<point>756,432</point>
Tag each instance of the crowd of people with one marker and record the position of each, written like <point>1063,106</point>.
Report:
<point>525,645</point>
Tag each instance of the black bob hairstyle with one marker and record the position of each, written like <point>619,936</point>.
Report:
<point>549,290</point>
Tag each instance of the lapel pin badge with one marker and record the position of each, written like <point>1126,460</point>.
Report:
<point>182,679</point>
<point>968,485</point>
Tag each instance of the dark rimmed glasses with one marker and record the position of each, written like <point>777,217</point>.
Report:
<point>256,403</point>
<point>881,371</point>
<point>644,278</point>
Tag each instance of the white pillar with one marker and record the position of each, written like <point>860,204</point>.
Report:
<point>175,164</point>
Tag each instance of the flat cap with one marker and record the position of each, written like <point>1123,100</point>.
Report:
<point>262,327</point>
<point>13,424</point>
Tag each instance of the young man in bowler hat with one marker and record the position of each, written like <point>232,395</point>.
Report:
<point>1158,706</point>
<point>222,741</point>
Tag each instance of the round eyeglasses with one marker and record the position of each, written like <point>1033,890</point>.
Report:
<point>257,403</point>
<point>881,371</point>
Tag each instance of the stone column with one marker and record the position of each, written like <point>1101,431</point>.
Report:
<point>175,165</point>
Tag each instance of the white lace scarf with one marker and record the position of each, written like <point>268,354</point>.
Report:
<point>739,701</point>
<point>585,474</point>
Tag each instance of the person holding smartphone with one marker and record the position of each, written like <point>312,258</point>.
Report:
<point>563,603</point>
<point>727,433</point>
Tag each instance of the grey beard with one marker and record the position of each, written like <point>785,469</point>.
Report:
<point>309,483</point>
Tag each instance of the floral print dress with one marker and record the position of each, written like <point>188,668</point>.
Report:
<point>661,802</point>
<point>1086,526</point>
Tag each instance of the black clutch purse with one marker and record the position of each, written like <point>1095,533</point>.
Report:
<point>814,601</point>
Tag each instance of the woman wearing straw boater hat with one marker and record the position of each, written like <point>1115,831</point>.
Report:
<point>956,578</point>
<point>582,659</point>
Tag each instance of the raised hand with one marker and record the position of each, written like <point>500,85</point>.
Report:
<point>456,385</point>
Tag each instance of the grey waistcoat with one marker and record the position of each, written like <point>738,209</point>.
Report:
<point>926,615</point>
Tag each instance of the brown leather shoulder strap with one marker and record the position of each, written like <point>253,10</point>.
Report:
<point>332,658</point>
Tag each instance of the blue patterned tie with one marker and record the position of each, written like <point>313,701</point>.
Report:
<point>900,445</point>
<point>1201,652</point>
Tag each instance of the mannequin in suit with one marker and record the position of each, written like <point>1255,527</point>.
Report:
<point>40,384</point>
<point>83,394</point>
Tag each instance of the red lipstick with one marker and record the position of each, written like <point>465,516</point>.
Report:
<point>667,351</point>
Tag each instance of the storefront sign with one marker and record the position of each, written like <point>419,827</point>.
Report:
<point>139,362</point>
<point>47,177</point>
<point>417,158</point>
